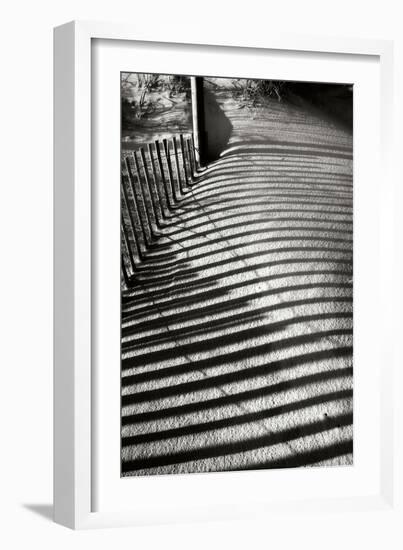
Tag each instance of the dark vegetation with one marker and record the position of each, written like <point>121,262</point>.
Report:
<point>142,94</point>
<point>335,99</point>
<point>251,91</point>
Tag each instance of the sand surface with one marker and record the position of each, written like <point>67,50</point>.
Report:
<point>237,341</point>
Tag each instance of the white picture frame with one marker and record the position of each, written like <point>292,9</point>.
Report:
<point>75,389</point>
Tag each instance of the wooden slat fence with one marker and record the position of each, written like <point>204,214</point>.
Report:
<point>154,181</point>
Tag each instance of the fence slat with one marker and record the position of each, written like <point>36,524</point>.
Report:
<point>161,169</point>
<point>131,218</point>
<point>124,271</point>
<point>147,204</point>
<point>178,173</point>
<point>153,204</point>
<point>157,187</point>
<point>145,234</point>
<point>170,175</point>
<point>189,148</point>
<point>127,244</point>
<point>182,148</point>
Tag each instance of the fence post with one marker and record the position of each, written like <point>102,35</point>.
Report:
<point>198,118</point>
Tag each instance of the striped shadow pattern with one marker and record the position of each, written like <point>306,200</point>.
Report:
<point>237,334</point>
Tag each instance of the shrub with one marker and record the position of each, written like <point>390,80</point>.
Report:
<point>251,90</point>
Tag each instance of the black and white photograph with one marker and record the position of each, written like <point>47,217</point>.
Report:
<point>202,282</point>
<point>236,274</point>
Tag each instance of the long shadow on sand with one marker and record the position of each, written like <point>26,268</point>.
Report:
<point>184,315</point>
